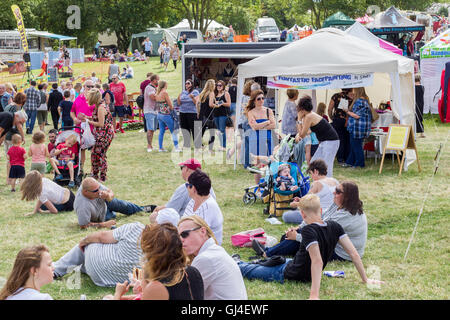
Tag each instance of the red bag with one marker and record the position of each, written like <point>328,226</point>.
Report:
<point>244,238</point>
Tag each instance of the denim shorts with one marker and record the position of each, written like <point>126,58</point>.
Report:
<point>119,111</point>
<point>151,121</point>
<point>232,109</point>
<point>63,163</point>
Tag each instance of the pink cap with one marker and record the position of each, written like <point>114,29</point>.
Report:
<point>192,164</point>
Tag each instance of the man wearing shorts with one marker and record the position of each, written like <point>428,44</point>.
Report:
<point>150,112</point>
<point>148,46</point>
<point>120,100</point>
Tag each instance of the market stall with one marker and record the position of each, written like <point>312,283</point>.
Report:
<point>332,59</point>
<point>339,21</point>
<point>433,57</point>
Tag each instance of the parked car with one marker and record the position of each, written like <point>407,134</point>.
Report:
<point>193,36</point>
<point>267,30</point>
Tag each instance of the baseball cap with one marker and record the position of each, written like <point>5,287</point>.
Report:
<point>168,215</point>
<point>192,164</point>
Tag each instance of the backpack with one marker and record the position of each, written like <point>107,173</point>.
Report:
<point>140,101</point>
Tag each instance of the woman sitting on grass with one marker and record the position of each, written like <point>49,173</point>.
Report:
<point>166,273</point>
<point>50,196</point>
<point>32,270</point>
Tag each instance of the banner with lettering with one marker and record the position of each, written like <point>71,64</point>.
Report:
<point>321,82</point>
<point>21,28</point>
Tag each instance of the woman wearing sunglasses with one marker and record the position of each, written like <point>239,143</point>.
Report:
<point>221,110</point>
<point>188,112</point>
<point>262,122</point>
<point>222,279</point>
<point>347,210</point>
<point>166,273</point>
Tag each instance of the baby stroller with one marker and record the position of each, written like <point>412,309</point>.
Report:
<point>277,200</point>
<point>63,133</point>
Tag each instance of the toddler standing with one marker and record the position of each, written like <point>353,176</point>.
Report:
<point>38,152</point>
<point>16,156</point>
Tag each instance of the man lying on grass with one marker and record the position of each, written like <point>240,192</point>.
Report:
<point>318,242</point>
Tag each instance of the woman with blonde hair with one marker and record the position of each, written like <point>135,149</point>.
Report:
<point>164,106</point>
<point>166,274</point>
<point>32,270</point>
<point>205,111</point>
<point>50,196</point>
<point>102,121</point>
<point>359,126</point>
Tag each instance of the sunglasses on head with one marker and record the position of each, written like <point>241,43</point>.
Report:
<point>260,98</point>
<point>186,233</point>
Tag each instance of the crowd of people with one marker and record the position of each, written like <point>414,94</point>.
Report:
<point>179,253</point>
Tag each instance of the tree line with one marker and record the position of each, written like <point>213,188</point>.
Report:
<point>126,17</point>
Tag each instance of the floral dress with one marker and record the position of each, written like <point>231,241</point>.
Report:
<point>103,138</point>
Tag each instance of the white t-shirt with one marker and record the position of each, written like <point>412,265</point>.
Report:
<point>29,294</point>
<point>180,199</point>
<point>149,104</point>
<point>51,191</point>
<point>222,278</point>
<point>210,212</point>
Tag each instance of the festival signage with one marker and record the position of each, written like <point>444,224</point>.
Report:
<point>321,82</point>
<point>20,27</point>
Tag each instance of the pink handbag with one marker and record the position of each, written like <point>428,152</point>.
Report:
<point>244,238</point>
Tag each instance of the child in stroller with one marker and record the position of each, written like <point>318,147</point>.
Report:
<point>67,157</point>
<point>284,180</point>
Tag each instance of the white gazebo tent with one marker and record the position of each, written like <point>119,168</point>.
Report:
<point>330,51</point>
<point>212,26</point>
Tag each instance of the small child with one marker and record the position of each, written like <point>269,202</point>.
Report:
<point>65,156</point>
<point>321,111</point>
<point>64,108</point>
<point>16,156</point>
<point>38,152</point>
<point>284,179</point>
<point>78,86</point>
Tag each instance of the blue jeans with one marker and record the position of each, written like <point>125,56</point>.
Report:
<point>256,271</point>
<point>221,125</point>
<point>284,248</point>
<point>232,109</point>
<point>292,216</point>
<point>356,155</point>
<point>121,206</point>
<point>166,120</point>
<point>31,119</point>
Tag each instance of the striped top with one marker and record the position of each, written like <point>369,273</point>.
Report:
<point>210,212</point>
<point>108,264</point>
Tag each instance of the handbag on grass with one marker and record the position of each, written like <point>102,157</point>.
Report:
<point>244,238</point>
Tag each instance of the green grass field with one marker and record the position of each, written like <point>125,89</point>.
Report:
<point>391,203</point>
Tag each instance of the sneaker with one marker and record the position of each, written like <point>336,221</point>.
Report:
<point>258,247</point>
<point>149,208</point>
<point>121,130</point>
<point>71,184</point>
<point>59,177</point>
<point>177,150</point>
<point>345,165</point>
<point>236,257</point>
<point>13,190</point>
<point>162,150</point>
<point>149,149</point>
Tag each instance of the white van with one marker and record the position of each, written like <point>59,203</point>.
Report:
<point>267,30</point>
<point>193,36</point>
